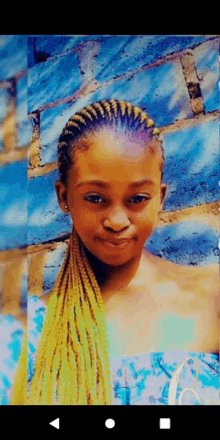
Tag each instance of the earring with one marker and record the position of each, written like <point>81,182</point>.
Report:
<point>66,206</point>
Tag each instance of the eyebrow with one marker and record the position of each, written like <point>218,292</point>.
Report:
<point>103,184</point>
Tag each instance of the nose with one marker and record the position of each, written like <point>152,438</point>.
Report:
<point>117,219</point>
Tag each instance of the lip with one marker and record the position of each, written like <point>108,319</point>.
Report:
<point>121,244</point>
<point>116,242</point>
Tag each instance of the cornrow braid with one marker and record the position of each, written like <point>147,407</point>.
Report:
<point>137,112</point>
<point>91,109</point>
<point>123,107</point>
<point>72,124</point>
<point>113,103</point>
<point>78,118</point>
<point>107,108</point>
<point>85,113</point>
<point>99,107</point>
<point>95,116</point>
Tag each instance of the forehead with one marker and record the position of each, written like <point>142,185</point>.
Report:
<point>115,154</point>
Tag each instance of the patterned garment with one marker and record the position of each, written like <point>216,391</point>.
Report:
<point>147,378</point>
<point>143,379</point>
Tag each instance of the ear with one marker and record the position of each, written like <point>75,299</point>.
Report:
<point>61,192</point>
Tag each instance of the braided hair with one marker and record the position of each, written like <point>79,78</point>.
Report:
<point>73,353</point>
<point>119,115</point>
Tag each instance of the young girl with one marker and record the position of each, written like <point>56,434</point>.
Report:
<point>116,308</point>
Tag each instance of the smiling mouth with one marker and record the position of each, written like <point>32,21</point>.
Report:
<point>119,245</point>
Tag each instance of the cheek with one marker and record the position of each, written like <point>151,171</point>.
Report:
<point>150,214</point>
<point>83,218</point>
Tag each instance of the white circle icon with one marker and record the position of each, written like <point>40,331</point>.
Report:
<point>109,423</point>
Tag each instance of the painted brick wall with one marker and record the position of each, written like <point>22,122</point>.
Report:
<point>15,136</point>
<point>176,80</point>
<point>16,132</point>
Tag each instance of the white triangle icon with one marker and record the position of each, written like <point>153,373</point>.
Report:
<point>56,423</point>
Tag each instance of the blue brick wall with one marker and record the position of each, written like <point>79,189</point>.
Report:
<point>154,89</point>
<point>13,55</point>
<point>192,166</point>
<point>187,243</point>
<point>13,213</point>
<point>52,266</point>
<point>207,66</point>
<point>191,153</point>
<point>46,221</point>
<point>128,51</point>
<point>116,56</point>
<point>24,128</point>
<point>3,111</point>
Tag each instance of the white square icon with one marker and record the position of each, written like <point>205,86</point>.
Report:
<point>164,423</point>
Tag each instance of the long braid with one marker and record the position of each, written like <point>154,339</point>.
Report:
<point>73,351</point>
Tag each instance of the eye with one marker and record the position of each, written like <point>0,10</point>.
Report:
<point>96,196</point>
<point>140,197</point>
<point>92,195</point>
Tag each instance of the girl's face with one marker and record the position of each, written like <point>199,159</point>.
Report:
<point>120,205</point>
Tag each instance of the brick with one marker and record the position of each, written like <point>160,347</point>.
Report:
<point>50,45</point>
<point>24,127</point>
<point>206,58</point>
<point>11,286</point>
<point>192,166</point>
<point>46,221</point>
<point>13,214</point>
<point>1,138</point>
<point>3,103</point>
<point>197,106</point>
<point>24,286</point>
<point>52,266</point>
<point>13,55</point>
<point>185,243</point>
<point>53,80</point>
<point>188,65</point>
<point>35,273</point>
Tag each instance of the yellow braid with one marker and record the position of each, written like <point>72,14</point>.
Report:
<point>78,118</point>
<point>72,124</point>
<point>92,110</point>
<point>113,103</point>
<point>98,106</point>
<point>73,349</point>
<point>122,107</point>
<point>107,108</point>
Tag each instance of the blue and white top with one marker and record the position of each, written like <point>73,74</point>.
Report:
<point>156,378</point>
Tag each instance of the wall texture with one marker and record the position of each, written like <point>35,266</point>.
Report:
<point>43,81</point>
<point>15,136</point>
<point>176,80</point>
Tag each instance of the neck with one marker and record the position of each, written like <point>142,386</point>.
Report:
<point>115,277</point>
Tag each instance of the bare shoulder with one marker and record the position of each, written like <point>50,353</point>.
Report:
<point>195,278</point>
<point>204,282</point>
<point>208,273</point>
